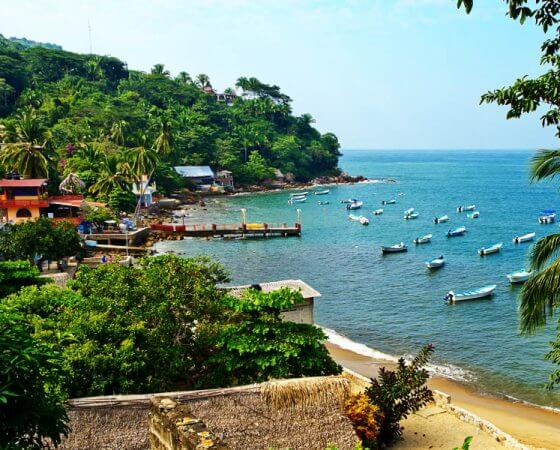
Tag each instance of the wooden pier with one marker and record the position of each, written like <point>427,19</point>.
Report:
<point>225,230</point>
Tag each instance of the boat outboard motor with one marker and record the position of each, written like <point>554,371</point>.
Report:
<point>449,297</point>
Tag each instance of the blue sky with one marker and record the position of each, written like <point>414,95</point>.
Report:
<point>378,73</point>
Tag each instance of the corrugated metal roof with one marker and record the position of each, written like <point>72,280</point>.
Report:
<point>296,285</point>
<point>194,171</point>
<point>33,182</point>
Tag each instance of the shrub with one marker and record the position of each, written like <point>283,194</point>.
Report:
<point>365,417</point>
<point>122,201</point>
<point>399,393</point>
<point>466,444</point>
<point>258,345</point>
<point>16,274</point>
<point>31,408</point>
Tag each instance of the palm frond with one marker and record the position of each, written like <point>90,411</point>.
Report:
<point>545,164</point>
<point>544,250</point>
<point>538,296</point>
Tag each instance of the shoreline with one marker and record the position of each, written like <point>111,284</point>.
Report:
<point>532,425</point>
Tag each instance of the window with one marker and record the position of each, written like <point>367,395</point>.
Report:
<point>23,212</point>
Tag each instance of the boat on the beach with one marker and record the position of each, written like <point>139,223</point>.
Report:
<point>549,216</point>
<point>325,192</point>
<point>324,203</point>
<point>389,202</point>
<point>355,205</point>
<point>456,232</point>
<point>299,194</point>
<point>523,238</point>
<point>378,212</point>
<point>492,249</point>
<point>397,248</point>
<point>435,263</point>
<point>474,215</point>
<point>441,219</point>
<point>518,277</point>
<point>410,216</point>
<point>475,294</point>
<point>423,240</point>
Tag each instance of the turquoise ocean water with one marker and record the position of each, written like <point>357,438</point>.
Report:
<point>391,303</point>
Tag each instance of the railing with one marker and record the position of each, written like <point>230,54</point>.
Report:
<point>24,203</point>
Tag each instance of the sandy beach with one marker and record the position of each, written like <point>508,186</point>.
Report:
<point>530,425</point>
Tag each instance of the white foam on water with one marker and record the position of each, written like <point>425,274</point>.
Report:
<point>447,371</point>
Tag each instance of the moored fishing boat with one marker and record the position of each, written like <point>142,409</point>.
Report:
<point>474,215</point>
<point>389,202</point>
<point>518,277</point>
<point>492,249</point>
<point>354,217</point>
<point>410,216</point>
<point>299,194</point>
<point>364,220</point>
<point>324,203</point>
<point>349,200</point>
<point>397,248</point>
<point>325,192</point>
<point>401,194</point>
<point>549,216</point>
<point>457,232</point>
<point>297,200</point>
<point>409,211</point>
<point>435,263</point>
<point>460,208</point>
<point>441,219</point>
<point>355,205</point>
<point>470,208</point>
<point>423,240</point>
<point>475,294</point>
<point>378,212</point>
<point>523,238</point>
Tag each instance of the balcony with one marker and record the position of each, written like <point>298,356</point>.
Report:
<point>39,203</point>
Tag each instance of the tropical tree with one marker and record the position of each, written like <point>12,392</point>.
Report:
<point>142,161</point>
<point>114,175</point>
<point>202,80</point>
<point>118,131</point>
<point>159,69</point>
<point>25,150</point>
<point>183,78</point>
<point>163,144</point>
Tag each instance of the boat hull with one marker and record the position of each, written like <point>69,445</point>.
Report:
<point>475,295</point>
<point>518,277</point>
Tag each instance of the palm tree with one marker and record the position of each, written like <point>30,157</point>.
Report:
<point>164,140</point>
<point>142,161</point>
<point>540,294</point>
<point>202,80</point>
<point>159,69</point>
<point>93,68</point>
<point>25,151</point>
<point>114,175</point>
<point>184,78</point>
<point>117,133</point>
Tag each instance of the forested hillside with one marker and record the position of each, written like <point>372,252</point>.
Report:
<point>63,112</point>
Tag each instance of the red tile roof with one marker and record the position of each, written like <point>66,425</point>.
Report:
<point>34,182</point>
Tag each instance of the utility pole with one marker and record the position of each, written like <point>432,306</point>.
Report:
<point>89,34</point>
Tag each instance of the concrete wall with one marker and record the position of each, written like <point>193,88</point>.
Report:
<point>301,314</point>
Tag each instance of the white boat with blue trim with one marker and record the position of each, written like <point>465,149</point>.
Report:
<point>457,232</point>
<point>492,249</point>
<point>475,294</point>
<point>435,263</point>
<point>355,205</point>
<point>397,248</point>
<point>518,277</point>
<point>524,238</point>
<point>441,219</point>
<point>423,240</point>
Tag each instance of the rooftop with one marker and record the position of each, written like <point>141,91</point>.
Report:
<point>194,171</point>
<point>296,285</point>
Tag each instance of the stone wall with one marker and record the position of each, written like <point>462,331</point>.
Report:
<point>173,427</point>
<point>302,313</point>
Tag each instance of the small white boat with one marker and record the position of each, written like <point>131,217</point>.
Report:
<point>349,200</point>
<point>482,292</point>
<point>355,205</point>
<point>389,202</point>
<point>441,219</point>
<point>474,215</point>
<point>354,217</point>
<point>423,240</point>
<point>297,200</point>
<point>378,212</point>
<point>523,238</point>
<point>518,277</point>
<point>299,194</point>
<point>324,203</point>
<point>435,263</point>
<point>413,215</point>
<point>401,194</point>
<point>470,208</point>
<point>409,211</point>
<point>489,250</point>
<point>397,248</point>
<point>325,192</point>
<point>548,218</point>
<point>456,232</point>
<point>364,220</point>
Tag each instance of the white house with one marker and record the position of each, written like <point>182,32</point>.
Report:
<point>145,190</point>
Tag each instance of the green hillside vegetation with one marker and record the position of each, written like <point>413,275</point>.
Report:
<point>63,112</point>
